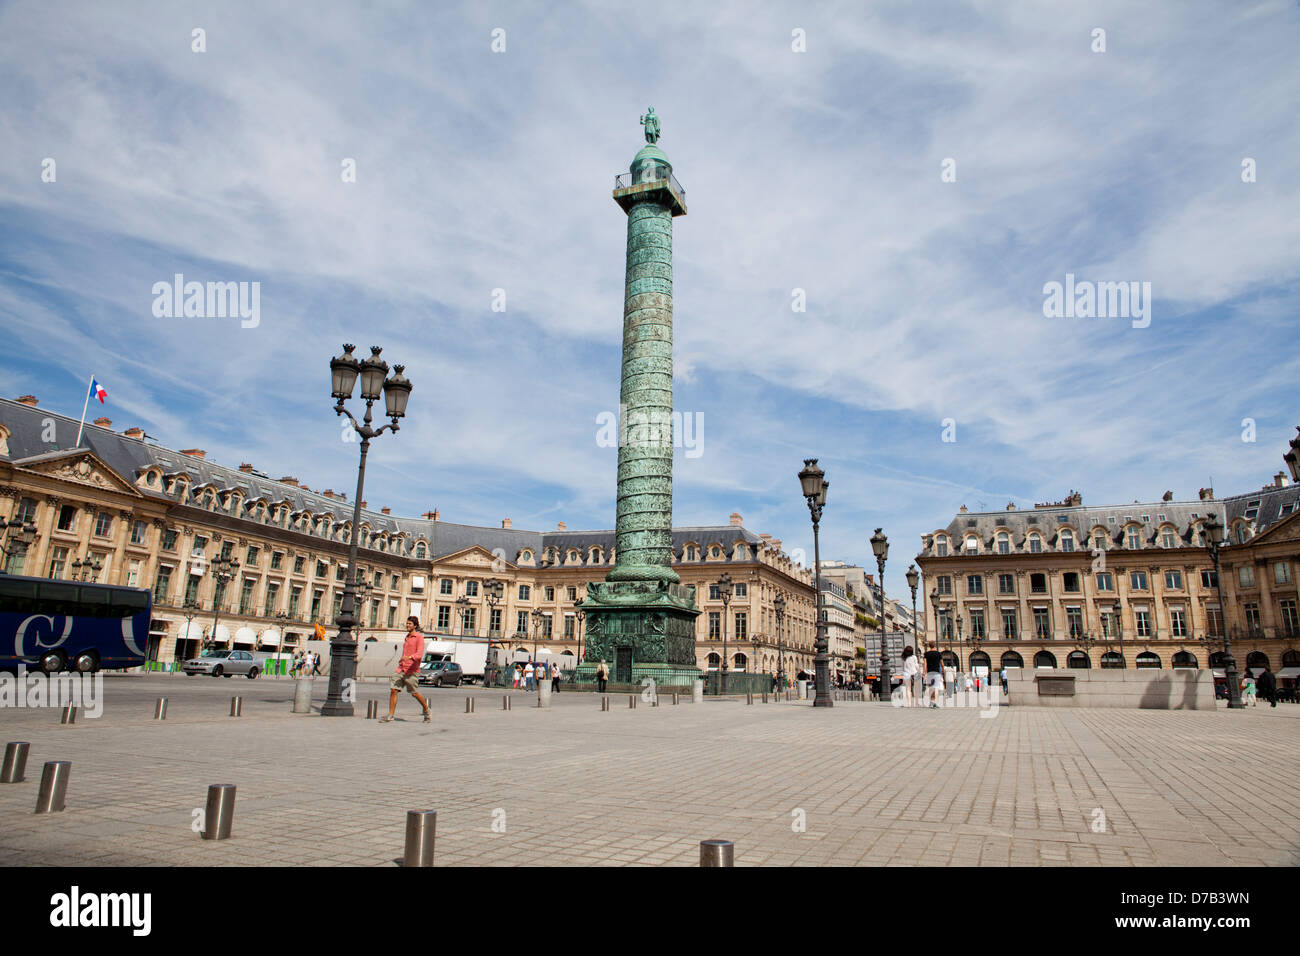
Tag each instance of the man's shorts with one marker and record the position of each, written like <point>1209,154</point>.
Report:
<point>405,680</point>
<point>934,679</point>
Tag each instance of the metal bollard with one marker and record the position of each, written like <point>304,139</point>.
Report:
<point>372,709</point>
<point>302,695</point>
<point>749,697</point>
<point>765,697</point>
<point>717,853</point>
<point>15,761</point>
<point>236,707</point>
<point>69,714</point>
<point>421,828</point>
<point>160,709</point>
<point>505,702</point>
<point>54,786</point>
<point>674,700</point>
<point>220,814</point>
<point>631,701</point>
<point>469,705</point>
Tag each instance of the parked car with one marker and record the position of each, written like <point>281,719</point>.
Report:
<point>222,664</point>
<point>441,673</point>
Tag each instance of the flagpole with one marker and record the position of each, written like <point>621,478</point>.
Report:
<point>84,406</point>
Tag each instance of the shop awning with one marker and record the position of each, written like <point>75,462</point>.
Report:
<point>246,635</point>
<point>1289,672</point>
<point>271,637</point>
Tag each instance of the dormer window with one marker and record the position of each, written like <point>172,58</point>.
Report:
<point>1004,543</point>
<point>1035,544</point>
<point>972,544</point>
<point>1167,538</point>
<point>941,546</point>
<point>1067,540</point>
<point>1134,539</point>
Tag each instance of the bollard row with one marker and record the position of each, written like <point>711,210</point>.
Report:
<point>15,764</point>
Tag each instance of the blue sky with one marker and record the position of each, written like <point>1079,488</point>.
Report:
<point>816,170</point>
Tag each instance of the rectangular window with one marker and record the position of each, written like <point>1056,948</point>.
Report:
<point>192,589</point>
<point>392,615</point>
<point>250,559</point>
<point>161,584</point>
<point>226,548</point>
<point>571,593</point>
<point>132,574</point>
<point>714,593</point>
<point>974,584</point>
<point>1006,584</point>
<point>1042,624</point>
<point>272,598</point>
<point>742,590</point>
<point>550,593</point>
<point>945,624</point>
<point>1209,579</point>
<point>525,592</point>
<point>471,589</point>
<point>494,621</point>
<point>742,625</point>
<point>444,617</point>
<point>1282,573</point>
<point>338,606</point>
<point>1142,619</point>
<point>340,572</point>
<point>1105,581</point>
<point>1108,624</point>
<point>1038,583</point>
<point>1071,581</point>
<point>1133,540</point>
<point>1252,618</point>
<point>103,524</point>
<point>546,626</point>
<point>1178,621</point>
<point>944,583</point>
<point>138,530</point>
<point>446,586</point>
<point>277,559</point>
<point>1246,575</point>
<point>1174,580</point>
<point>1074,620</point>
<point>58,560</point>
<point>977,622</point>
<point>374,613</point>
<point>470,622</point>
<point>1214,621</point>
<point>379,579</point>
<point>1166,539</point>
<point>568,627</point>
<point>67,518</point>
<point>1008,624</point>
<point>1137,580</point>
<point>295,598</point>
<point>321,569</point>
<point>299,562</point>
<point>715,625</point>
<point>521,622</point>
<point>1290,623</point>
<point>246,597</point>
<point>315,604</point>
<point>395,583</point>
<point>169,539</point>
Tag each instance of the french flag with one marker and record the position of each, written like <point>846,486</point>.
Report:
<point>98,391</point>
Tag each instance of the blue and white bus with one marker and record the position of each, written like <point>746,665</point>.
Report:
<point>64,625</point>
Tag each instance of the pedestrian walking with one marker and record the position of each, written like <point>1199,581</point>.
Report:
<point>555,677</point>
<point>602,675</point>
<point>1004,680</point>
<point>910,670</point>
<point>949,680</point>
<point>1268,687</point>
<point>519,675</point>
<point>529,672</point>
<point>933,676</point>
<point>407,667</point>
<point>1248,689</point>
<point>315,664</point>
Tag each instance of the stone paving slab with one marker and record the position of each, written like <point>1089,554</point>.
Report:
<point>575,786</point>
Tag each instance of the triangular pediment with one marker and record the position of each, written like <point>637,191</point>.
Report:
<point>475,558</point>
<point>78,467</point>
<point>1288,529</point>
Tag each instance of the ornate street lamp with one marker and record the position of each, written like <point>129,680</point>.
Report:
<point>86,570</point>
<point>396,391</point>
<point>778,604</point>
<point>725,587</point>
<point>913,580</point>
<point>880,548</point>
<point>462,605</point>
<point>960,639</point>
<point>813,483</point>
<point>23,534</point>
<point>1213,531</point>
<point>934,608</point>
<point>492,591</point>
<point>222,570</point>
<point>581,615</point>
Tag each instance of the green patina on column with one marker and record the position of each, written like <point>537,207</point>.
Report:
<point>641,620</point>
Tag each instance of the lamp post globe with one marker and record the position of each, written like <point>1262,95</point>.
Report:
<point>813,484</point>
<point>778,605</point>
<point>880,548</point>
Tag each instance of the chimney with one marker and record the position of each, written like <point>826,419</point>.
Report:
<point>29,400</point>
<point>1011,506</point>
<point>428,515</point>
<point>289,480</point>
<point>1207,494</point>
<point>328,493</point>
<point>776,543</point>
<point>135,431</point>
<point>963,509</point>
<point>245,467</point>
<point>195,453</point>
<point>506,523</point>
<point>1280,480</point>
<point>103,422</point>
<point>560,526</point>
<point>384,511</point>
<point>736,519</point>
<point>435,514</point>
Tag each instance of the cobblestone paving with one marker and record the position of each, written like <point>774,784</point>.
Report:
<point>576,786</point>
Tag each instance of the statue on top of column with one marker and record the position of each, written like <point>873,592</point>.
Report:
<point>651,124</point>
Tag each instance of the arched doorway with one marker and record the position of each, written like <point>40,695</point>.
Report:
<point>739,663</point>
<point>951,660</point>
<point>1078,660</point>
<point>1148,659</point>
<point>714,662</point>
<point>1185,659</point>
<point>980,664</point>
<point>1256,660</point>
<point>1044,659</point>
<point>1012,659</point>
<point>1112,660</point>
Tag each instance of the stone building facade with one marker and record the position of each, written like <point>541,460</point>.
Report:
<point>1069,585</point>
<point>155,518</point>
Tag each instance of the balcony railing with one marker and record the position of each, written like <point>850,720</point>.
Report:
<point>624,180</point>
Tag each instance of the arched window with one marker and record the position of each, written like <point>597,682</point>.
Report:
<point>1044,659</point>
<point>1067,540</point>
<point>1112,660</point>
<point>1012,659</point>
<point>1035,544</point>
<point>1152,661</point>
<point>1256,659</point>
<point>972,543</point>
<point>420,549</point>
<point>714,662</point>
<point>742,552</point>
<point>1078,660</point>
<point>1004,543</point>
<point>1166,537</point>
<point>1181,659</point>
<point>1134,538</point>
<point>941,546</point>
<point>740,662</point>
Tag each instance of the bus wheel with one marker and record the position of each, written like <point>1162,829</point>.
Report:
<point>86,662</point>
<point>52,662</point>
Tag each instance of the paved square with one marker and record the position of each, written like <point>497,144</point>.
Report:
<point>575,786</point>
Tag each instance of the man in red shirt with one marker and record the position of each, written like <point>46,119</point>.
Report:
<point>407,668</point>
